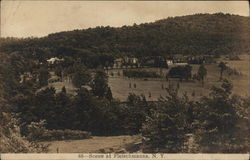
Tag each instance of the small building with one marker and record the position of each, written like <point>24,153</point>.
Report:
<point>54,60</point>
<point>118,63</point>
<point>180,63</point>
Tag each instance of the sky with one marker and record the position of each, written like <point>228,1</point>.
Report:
<point>40,18</point>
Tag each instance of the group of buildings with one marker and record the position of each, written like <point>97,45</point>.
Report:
<point>176,60</point>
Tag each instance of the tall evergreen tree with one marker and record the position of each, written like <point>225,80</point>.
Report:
<point>100,85</point>
<point>222,66</point>
<point>217,120</point>
<point>202,72</point>
<point>81,76</point>
<point>43,76</point>
<point>164,130</point>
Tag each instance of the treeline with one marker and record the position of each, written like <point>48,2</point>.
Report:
<point>84,111</point>
<point>197,34</point>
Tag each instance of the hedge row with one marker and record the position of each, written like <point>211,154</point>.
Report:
<point>38,132</point>
<point>67,134</point>
<point>140,74</point>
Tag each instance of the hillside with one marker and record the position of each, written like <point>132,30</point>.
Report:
<point>193,34</point>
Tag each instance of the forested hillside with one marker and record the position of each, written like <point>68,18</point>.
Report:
<point>194,34</point>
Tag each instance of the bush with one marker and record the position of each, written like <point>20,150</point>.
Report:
<point>234,57</point>
<point>232,71</point>
<point>37,132</point>
<point>65,135</point>
<point>140,74</point>
<point>181,72</point>
<point>11,139</point>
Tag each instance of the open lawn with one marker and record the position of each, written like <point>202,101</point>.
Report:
<point>93,145</point>
<point>120,86</point>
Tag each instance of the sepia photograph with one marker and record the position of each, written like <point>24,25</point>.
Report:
<point>135,79</point>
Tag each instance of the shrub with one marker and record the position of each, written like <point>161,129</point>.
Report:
<point>65,134</point>
<point>37,132</point>
<point>181,72</point>
<point>234,57</point>
<point>232,71</point>
<point>11,139</point>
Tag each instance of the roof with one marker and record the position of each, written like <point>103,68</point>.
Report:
<point>54,59</point>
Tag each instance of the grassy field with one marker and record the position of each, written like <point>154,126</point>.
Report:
<point>68,85</point>
<point>155,88</point>
<point>93,145</point>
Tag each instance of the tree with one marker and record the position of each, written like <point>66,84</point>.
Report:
<point>64,90</point>
<point>81,76</point>
<point>62,111</point>
<point>100,85</point>
<point>202,72</point>
<point>108,94</point>
<point>43,76</point>
<point>43,106</point>
<point>222,66</point>
<point>164,128</point>
<point>137,110</point>
<point>217,121</point>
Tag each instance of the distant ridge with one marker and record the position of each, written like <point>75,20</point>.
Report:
<point>192,34</point>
